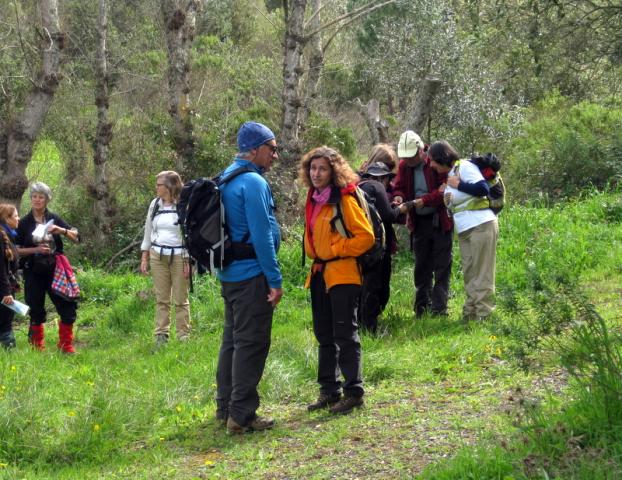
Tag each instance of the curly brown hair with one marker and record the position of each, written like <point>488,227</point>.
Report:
<point>342,173</point>
<point>6,210</point>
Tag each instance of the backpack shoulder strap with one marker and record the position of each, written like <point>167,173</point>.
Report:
<point>154,207</point>
<point>337,223</point>
<point>457,168</point>
<point>238,171</point>
<point>362,199</point>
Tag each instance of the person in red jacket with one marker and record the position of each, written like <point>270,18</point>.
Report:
<point>430,226</point>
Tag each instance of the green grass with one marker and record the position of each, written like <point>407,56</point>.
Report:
<point>441,397</point>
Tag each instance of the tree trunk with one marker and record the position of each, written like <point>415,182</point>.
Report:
<point>423,104</point>
<point>105,209</point>
<point>17,136</point>
<point>378,128</point>
<point>283,176</point>
<point>316,63</point>
<point>292,75</point>
<point>180,23</point>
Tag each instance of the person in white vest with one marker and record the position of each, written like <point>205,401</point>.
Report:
<point>465,196</point>
<point>162,250</point>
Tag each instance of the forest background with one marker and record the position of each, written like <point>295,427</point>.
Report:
<point>97,97</point>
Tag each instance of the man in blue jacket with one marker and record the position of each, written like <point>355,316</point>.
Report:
<point>251,288</point>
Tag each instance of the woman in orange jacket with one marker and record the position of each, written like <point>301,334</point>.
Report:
<point>335,277</point>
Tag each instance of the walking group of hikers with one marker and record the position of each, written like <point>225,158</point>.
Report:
<point>348,237</point>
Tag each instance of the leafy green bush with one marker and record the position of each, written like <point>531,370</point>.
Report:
<point>564,149</point>
<point>320,131</point>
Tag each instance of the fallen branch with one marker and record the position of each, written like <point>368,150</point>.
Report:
<point>125,249</point>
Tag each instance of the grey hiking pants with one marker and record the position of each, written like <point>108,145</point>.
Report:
<point>244,348</point>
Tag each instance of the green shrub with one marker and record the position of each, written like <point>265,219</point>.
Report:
<point>320,131</point>
<point>565,148</point>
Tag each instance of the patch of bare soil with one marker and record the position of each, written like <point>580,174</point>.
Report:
<point>394,438</point>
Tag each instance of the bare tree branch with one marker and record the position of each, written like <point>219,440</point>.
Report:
<point>370,7</point>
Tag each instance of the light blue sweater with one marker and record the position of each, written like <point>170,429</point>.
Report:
<point>249,209</point>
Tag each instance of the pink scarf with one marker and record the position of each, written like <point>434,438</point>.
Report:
<point>319,200</point>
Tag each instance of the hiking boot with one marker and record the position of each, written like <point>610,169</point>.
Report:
<point>65,338</point>
<point>221,416</point>
<point>323,401</point>
<point>161,340</point>
<point>346,405</point>
<point>421,312</point>
<point>7,339</point>
<point>256,425</point>
<point>35,337</point>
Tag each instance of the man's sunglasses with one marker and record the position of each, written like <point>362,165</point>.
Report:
<point>274,148</point>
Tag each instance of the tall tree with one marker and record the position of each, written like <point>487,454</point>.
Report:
<point>294,11</point>
<point>19,133</point>
<point>105,209</point>
<point>180,23</point>
<point>297,36</point>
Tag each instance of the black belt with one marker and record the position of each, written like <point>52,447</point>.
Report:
<point>167,247</point>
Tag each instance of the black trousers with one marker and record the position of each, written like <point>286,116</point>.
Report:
<point>244,348</point>
<point>36,285</point>
<point>432,248</point>
<point>6,320</point>
<point>375,293</point>
<point>336,330</point>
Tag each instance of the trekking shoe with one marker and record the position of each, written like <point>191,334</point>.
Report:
<point>7,340</point>
<point>221,416</point>
<point>256,425</point>
<point>346,405</point>
<point>324,401</point>
<point>161,340</point>
<point>421,312</point>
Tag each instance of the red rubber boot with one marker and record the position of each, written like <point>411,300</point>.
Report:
<point>35,337</point>
<point>65,338</point>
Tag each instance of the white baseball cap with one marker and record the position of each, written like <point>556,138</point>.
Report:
<point>409,144</point>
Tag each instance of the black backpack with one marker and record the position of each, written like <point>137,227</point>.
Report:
<point>371,257</point>
<point>489,166</point>
<point>202,220</point>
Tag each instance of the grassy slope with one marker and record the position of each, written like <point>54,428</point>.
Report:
<point>118,410</point>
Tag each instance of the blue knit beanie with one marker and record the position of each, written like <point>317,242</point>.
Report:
<point>252,135</point>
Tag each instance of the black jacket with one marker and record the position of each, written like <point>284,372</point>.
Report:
<point>28,224</point>
<point>388,214</point>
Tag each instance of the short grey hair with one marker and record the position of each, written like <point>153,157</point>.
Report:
<point>40,187</point>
